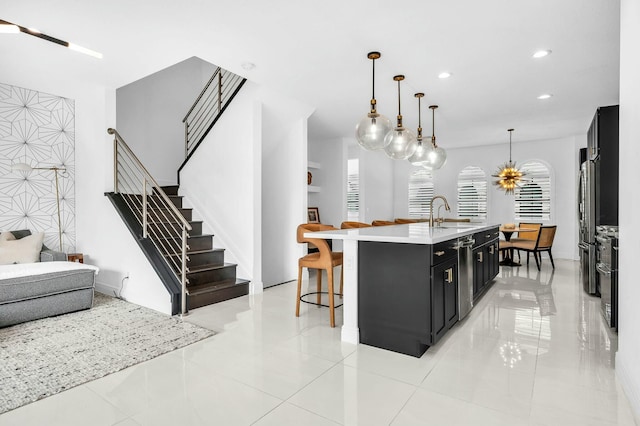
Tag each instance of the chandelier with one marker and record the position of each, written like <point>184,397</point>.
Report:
<point>509,177</point>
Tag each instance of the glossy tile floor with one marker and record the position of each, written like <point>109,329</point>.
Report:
<point>534,351</point>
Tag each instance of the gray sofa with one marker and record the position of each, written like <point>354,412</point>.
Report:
<point>41,295</point>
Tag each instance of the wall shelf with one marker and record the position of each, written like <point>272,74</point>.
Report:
<point>313,165</point>
<point>312,188</point>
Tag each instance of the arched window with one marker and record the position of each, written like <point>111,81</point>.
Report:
<point>533,197</point>
<point>420,193</point>
<point>472,193</point>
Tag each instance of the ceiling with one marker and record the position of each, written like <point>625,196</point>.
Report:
<point>316,52</point>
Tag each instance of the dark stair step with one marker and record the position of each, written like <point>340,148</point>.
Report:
<point>170,189</point>
<point>156,201</point>
<point>202,274</point>
<point>164,214</point>
<point>210,293</point>
<point>196,226</point>
<point>197,259</point>
<point>195,243</point>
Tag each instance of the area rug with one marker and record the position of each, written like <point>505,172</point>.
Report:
<point>44,357</point>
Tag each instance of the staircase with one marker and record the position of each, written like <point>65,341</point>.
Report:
<point>209,278</point>
<point>191,269</point>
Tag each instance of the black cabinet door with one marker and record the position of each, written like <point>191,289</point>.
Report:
<point>444,298</point>
<point>478,270</point>
<point>495,260</point>
<point>451,294</point>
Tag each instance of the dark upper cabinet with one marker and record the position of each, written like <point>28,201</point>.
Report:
<point>603,149</point>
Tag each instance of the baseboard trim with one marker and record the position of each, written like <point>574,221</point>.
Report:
<point>108,289</point>
<point>350,335</point>
<point>629,386</point>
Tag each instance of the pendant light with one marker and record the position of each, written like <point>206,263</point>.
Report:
<point>422,149</point>
<point>400,143</point>
<point>509,177</point>
<point>436,156</point>
<point>372,129</point>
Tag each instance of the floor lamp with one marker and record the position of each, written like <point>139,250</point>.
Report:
<point>23,167</point>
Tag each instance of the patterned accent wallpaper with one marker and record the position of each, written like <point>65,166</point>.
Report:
<point>37,129</point>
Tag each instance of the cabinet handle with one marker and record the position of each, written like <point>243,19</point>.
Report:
<point>480,257</point>
<point>448,275</point>
<point>439,253</point>
<point>491,249</point>
<point>488,236</point>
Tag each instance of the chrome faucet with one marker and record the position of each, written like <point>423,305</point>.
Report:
<point>446,207</point>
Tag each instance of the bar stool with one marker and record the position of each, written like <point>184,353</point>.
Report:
<point>382,223</point>
<point>352,225</point>
<point>323,259</point>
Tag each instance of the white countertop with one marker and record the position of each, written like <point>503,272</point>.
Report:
<point>412,233</point>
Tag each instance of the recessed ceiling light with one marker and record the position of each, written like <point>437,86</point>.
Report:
<point>545,96</point>
<point>248,66</point>
<point>541,54</point>
<point>444,75</point>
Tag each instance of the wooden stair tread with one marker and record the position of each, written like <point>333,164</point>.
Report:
<point>210,267</point>
<point>209,287</point>
<point>211,250</point>
<point>191,236</point>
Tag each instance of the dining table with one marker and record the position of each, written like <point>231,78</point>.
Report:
<point>508,232</point>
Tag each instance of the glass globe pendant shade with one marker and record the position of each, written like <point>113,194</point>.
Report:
<point>371,131</point>
<point>419,156</point>
<point>400,143</point>
<point>436,158</point>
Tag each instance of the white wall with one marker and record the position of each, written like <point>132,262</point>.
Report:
<point>150,112</point>
<point>627,366</point>
<point>561,155</point>
<point>218,182</point>
<point>284,184</point>
<point>101,235</point>
<point>376,186</point>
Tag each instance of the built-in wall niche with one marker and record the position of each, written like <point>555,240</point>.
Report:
<point>313,176</point>
<point>38,129</point>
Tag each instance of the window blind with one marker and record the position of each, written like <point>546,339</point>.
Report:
<point>353,190</point>
<point>472,193</point>
<point>420,193</point>
<point>533,198</point>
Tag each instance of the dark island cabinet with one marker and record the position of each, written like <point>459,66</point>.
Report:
<point>407,295</point>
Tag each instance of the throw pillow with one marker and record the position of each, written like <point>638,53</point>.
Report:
<point>24,250</point>
<point>7,236</point>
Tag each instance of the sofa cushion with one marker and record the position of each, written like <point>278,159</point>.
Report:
<point>43,280</point>
<point>23,250</point>
<point>21,233</point>
<point>7,236</point>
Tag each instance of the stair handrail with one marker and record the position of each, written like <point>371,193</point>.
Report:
<point>127,169</point>
<point>208,106</point>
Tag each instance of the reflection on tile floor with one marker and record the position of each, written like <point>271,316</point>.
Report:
<point>534,351</point>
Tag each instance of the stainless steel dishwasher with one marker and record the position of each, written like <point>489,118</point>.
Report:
<point>465,275</point>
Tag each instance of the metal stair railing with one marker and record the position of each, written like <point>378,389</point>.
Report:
<point>208,106</point>
<point>160,219</point>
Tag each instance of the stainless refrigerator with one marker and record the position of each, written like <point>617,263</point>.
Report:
<point>598,191</point>
<point>587,226</point>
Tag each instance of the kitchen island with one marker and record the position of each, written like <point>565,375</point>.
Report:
<point>401,281</point>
